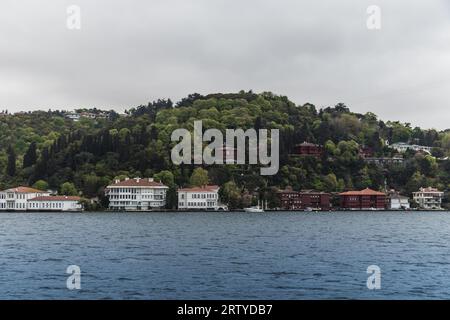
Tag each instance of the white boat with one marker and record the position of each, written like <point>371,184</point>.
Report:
<point>254,209</point>
<point>257,208</point>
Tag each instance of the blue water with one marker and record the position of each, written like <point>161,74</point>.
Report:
<point>225,256</point>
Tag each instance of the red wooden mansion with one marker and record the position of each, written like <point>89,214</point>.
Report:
<point>366,199</point>
<point>295,200</point>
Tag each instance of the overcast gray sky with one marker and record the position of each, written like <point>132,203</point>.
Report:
<point>129,52</point>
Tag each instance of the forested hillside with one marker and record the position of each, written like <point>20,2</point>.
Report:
<point>85,155</point>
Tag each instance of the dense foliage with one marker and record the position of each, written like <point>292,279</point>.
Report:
<point>86,155</point>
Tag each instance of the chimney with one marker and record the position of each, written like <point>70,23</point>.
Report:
<point>150,179</point>
<point>126,179</point>
<point>117,181</point>
<point>137,179</point>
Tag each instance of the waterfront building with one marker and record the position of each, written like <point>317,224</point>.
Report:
<point>366,199</point>
<point>303,200</point>
<point>308,149</point>
<point>428,198</point>
<point>403,147</point>
<point>315,200</point>
<point>199,198</point>
<point>289,199</point>
<point>397,202</point>
<point>15,199</point>
<point>55,203</point>
<point>138,194</point>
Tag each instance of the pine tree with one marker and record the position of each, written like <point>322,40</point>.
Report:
<point>30,156</point>
<point>11,167</point>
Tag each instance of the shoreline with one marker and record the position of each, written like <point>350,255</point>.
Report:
<point>222,212</point>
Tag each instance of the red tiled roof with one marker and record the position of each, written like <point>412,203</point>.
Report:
<point>56,198</point>
<point>22,189</point>
<point>201,189</point>
<point>140,182</point>
<point>365,192</point>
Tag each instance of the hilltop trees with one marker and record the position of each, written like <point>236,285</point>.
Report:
<point>88,154</point>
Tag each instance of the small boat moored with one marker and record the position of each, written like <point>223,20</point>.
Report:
<point>254,209</point>
<point>257,208</point>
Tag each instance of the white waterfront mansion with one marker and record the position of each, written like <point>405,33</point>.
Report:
<point>428,198</point>
<point>398,202</point>
<point>55,203</point>
<point>138,194</point>
<point>30,199</point>
<point>199,198</point>
<point>16,199</point>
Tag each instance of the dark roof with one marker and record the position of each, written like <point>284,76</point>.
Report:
<point>200,189</point>
<point>137,182</point>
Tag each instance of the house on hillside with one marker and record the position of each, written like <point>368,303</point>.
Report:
<point>403,147</point>
<point>308,149</point>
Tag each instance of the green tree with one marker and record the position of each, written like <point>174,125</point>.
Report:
<point>166,177</point>
<point>445,141</point>
<point>11,167</point>
<point>90,185</point>
<point>330,148</point>
<point>231,195</point>
<point>30,157</point>
<point>68,189</point>
<point>41,185</point>
<point>429,165</point>
<point>199,177</point>
<point>171,198</point>
<point>366,182</point>
<point>330,182</point>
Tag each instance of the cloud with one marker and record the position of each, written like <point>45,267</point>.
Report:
<point>131,52</point>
